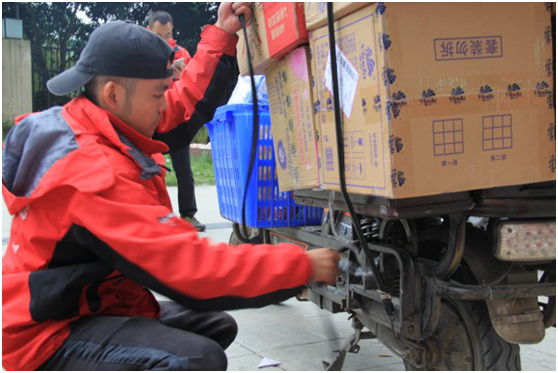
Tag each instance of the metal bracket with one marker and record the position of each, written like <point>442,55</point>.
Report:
<point>350,344</point>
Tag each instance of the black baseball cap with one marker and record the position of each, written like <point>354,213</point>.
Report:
<point>118,48</point>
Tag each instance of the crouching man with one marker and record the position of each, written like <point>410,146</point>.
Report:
<point>93,228</point>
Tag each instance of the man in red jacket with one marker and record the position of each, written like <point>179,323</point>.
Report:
<point>93,227</point>
<point>161,23</point>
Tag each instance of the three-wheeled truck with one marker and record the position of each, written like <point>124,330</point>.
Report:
<point>470,275</point>
<point>447,282</point>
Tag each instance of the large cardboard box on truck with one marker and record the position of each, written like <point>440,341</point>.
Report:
<point>292,119</point>
<point>438,98</point>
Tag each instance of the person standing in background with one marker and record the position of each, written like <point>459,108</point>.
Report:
<point>161,23</point>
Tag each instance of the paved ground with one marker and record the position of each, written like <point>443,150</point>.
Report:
<point>299,334</point>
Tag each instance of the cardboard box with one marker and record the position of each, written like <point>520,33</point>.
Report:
<point>438,98</point>
<point>316,12</point>
<point>258,43</point>
<point>285,27</point>
<point>291,110</point>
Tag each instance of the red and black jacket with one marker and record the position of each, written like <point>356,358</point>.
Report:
<point>93,227</point>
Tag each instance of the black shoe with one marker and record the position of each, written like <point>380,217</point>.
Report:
<point>195,222</point>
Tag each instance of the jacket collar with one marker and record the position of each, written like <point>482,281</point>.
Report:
<point>90,118</point>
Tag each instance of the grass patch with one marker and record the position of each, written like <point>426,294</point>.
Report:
<point>202,168</point>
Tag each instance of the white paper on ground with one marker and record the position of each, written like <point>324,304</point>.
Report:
<point>348,81</point>
<point>267,362</point>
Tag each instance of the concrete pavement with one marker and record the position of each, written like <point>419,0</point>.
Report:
<point>299,334</point>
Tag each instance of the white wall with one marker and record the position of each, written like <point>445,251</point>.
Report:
<point>16,78</point>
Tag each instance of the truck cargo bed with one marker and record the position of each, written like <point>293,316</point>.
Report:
<point>518,201</point>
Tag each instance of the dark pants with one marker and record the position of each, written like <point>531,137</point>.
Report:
<point>180,340</point>
<point>185,179</point>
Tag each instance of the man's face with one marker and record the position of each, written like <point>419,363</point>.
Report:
<point>164,31</point>
<point>144,108</point>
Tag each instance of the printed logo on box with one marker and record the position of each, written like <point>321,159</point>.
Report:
<point>366,62</point>
<point>428,97</point>
<point>397,178</point>
<point>548,68</point>
<point>389,76</point>
<point>388,110</point>
<point>514,91</point>
<point>551,131</point>
<point>380,8</point>
<point>377,106</point>
<point>384,42</point>
<point>485,93</point>
<point>395,144</point>
<point>457,95</point>
<point>468,48</point>
<point>317,106</point>
<point>282,155</point>
<point>542,89</point>
<point>548,35</point>
<point>398,100</point>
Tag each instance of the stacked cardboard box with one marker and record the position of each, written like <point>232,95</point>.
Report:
<point>291,109</point>
<point>316,12</point>
<point>257,39</point>
<point>438,98</point>
<point>285,27</point>
<point>274,30</point>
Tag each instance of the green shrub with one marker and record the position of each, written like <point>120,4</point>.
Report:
<point>202,137</point>
<point>6,127</point>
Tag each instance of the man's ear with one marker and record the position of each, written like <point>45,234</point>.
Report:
<point>147,27</point>
<point>111,95</point>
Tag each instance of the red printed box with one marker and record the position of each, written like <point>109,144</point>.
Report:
<point>285,27</point>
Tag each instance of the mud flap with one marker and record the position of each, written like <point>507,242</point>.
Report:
<point>517,320</point>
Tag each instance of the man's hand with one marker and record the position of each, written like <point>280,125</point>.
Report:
<point>324,265</point>
<point>227,16</point>
<point>178,68</point>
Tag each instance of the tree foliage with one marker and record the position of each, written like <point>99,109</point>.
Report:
<point>58,31</point>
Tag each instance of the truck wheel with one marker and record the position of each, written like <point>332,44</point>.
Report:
<point>465,340</point>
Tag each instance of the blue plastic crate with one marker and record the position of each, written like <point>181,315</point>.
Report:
<point>231,140</point>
